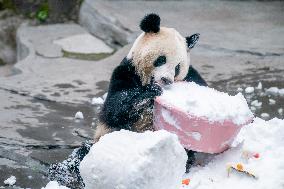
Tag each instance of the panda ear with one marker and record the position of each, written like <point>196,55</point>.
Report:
<point>150,23</point>
<point>192,40</point>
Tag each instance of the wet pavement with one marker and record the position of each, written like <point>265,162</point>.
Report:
<point>35,133</point>
<point>42,92</point>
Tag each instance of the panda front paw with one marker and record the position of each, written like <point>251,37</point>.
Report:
<point>153,90</point>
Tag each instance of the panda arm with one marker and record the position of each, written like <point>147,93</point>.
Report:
<point>194,76</point>
<point>126,98</point>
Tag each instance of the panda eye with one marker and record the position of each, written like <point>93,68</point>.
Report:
<point>161,60</point>
<point>177,70</point>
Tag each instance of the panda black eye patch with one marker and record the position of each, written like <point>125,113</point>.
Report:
<point>177,70</point>
<point>161,60</point>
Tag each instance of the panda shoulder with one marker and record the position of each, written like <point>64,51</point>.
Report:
<point>123,69</point>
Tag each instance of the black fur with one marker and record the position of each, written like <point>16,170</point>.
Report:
<point>127,98</point>
<point>161,60</point>
<point>177,70</point>
<point>150,23</point>
<point>194,76</point>
<point>192,40</point>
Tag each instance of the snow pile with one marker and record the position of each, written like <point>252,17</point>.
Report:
<point>10,181</point>
<point>129,160</point>
<point>265,138</point>
<point>54,185</point>
<point>207,102</point>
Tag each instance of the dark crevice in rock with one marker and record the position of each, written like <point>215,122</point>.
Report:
<point>22,93</point>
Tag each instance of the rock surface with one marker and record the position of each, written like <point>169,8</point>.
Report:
<point>130,160</point>
<point>240,45</point>
<point>84,44</point>
<point>9,23</point>
<point>235,26</point>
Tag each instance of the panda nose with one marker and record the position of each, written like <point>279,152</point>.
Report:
<point>166,81</point>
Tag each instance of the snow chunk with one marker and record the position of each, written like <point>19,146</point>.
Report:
<point>97,100</point>
<point>249,90</point>
<point>252,108</point>
<point>271,101</point>
<point>280,111</point>
<point>206,102</point>
<point>240,89</point>
<point>105,96</point>
<point>281,92</point>
<point>54,185</point>
<point>129,160</point>
<point>262,137</point>
<point>256,103</point>
<point>272,91</point>
<point>10,181</point>
<point>264,115</point>
<point>275,91</point>
<point>259,86</point>
<point>79,115</point>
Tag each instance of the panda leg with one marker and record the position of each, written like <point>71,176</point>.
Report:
<point>190,159</point>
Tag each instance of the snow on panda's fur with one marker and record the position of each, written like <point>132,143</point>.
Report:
<point>159,56</point>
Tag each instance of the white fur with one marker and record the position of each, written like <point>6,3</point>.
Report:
<point>149,46</point>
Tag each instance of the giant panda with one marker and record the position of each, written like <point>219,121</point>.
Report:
<point>159,56</point>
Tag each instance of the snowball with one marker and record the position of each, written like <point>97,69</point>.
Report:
<point>262,137</point>
<point>256,103</point>
<point>10,181</point>
<point>97,100</point>
<point>249,90</point>
<point>280,111</point>
<point>129,160</point>
<point>206,102</point>
<point>264,115</point>
<point>54,185</point>
<point>271,101</point>
<point>79,115</point>
<point>259,86</point>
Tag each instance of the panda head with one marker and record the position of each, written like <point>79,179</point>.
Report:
<point>160,54</point>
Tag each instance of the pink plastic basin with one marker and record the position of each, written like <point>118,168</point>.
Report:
<point>195,133</point>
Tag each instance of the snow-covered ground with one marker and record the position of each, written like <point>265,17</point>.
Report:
<point>265,138</point>
<point>259,148</point>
